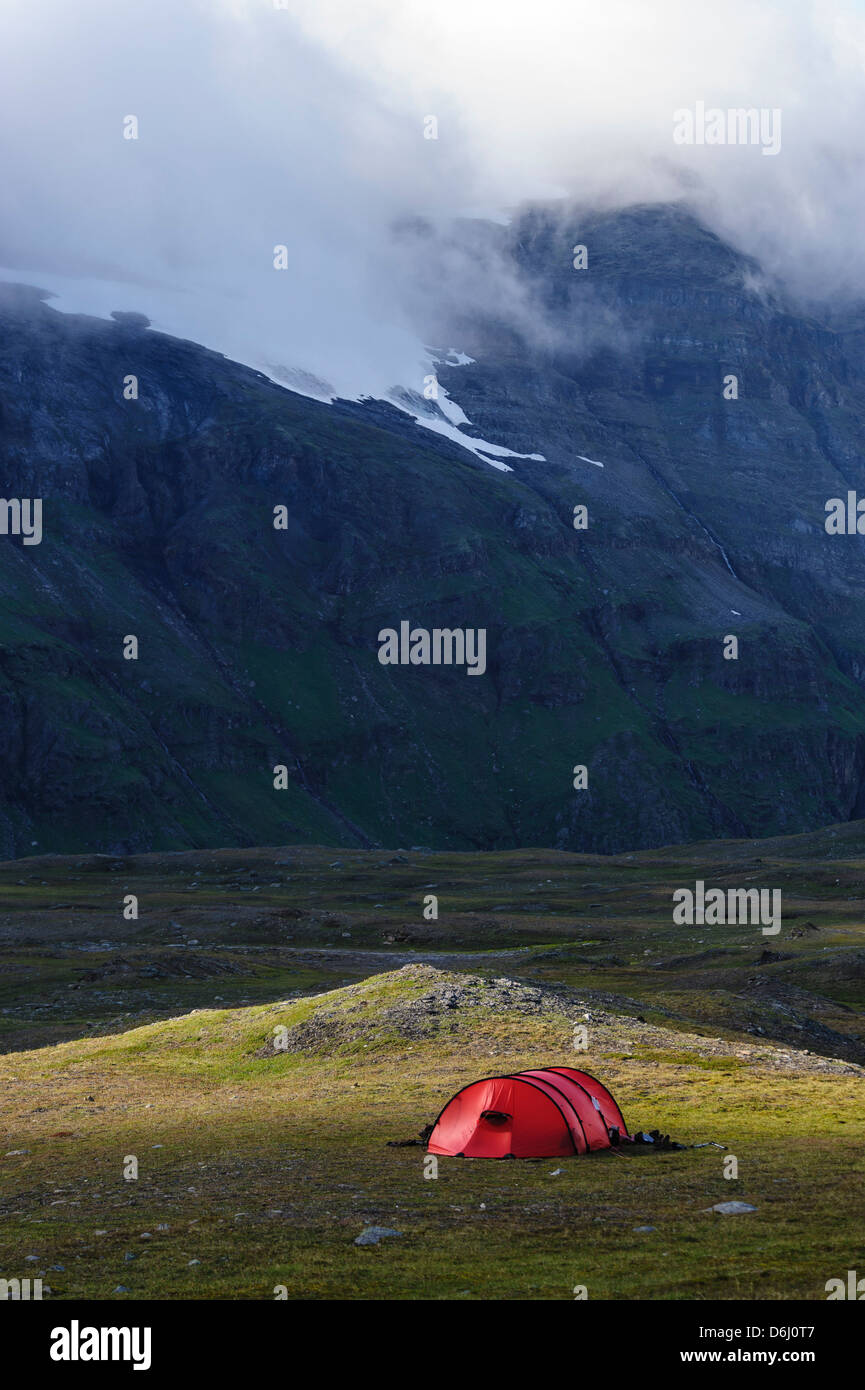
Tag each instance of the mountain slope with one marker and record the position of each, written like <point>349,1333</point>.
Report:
<point>258,646</point>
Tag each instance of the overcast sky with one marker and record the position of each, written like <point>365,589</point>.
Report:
<point>304,126</point>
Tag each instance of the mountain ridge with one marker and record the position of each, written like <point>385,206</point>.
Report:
<point>257,647</point>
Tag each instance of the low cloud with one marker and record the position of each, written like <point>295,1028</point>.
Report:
<point>304,126</point>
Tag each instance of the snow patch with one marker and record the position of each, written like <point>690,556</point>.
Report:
<point>205,319</point>
<point>447,422</point>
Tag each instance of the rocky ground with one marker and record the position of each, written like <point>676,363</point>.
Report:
<point>446,996</point>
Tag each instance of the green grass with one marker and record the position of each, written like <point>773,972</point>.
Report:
<point>268,923</point>
<point>268,1168</point>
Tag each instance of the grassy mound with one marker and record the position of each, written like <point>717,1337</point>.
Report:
<point>257,1166</point>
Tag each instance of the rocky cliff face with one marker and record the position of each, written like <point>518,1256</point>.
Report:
<point>605,646</point>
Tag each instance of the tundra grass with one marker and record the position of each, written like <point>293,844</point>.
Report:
<point>257,1172</point>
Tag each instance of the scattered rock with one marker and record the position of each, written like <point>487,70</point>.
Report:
<point>439,1002</point>
<point>373,1234</point>
<point>337,1023</point>
<point>129,319</point>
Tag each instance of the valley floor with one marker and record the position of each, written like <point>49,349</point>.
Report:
<point>257,1167</point>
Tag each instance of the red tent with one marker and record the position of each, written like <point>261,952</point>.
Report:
<point>548,1113</point>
